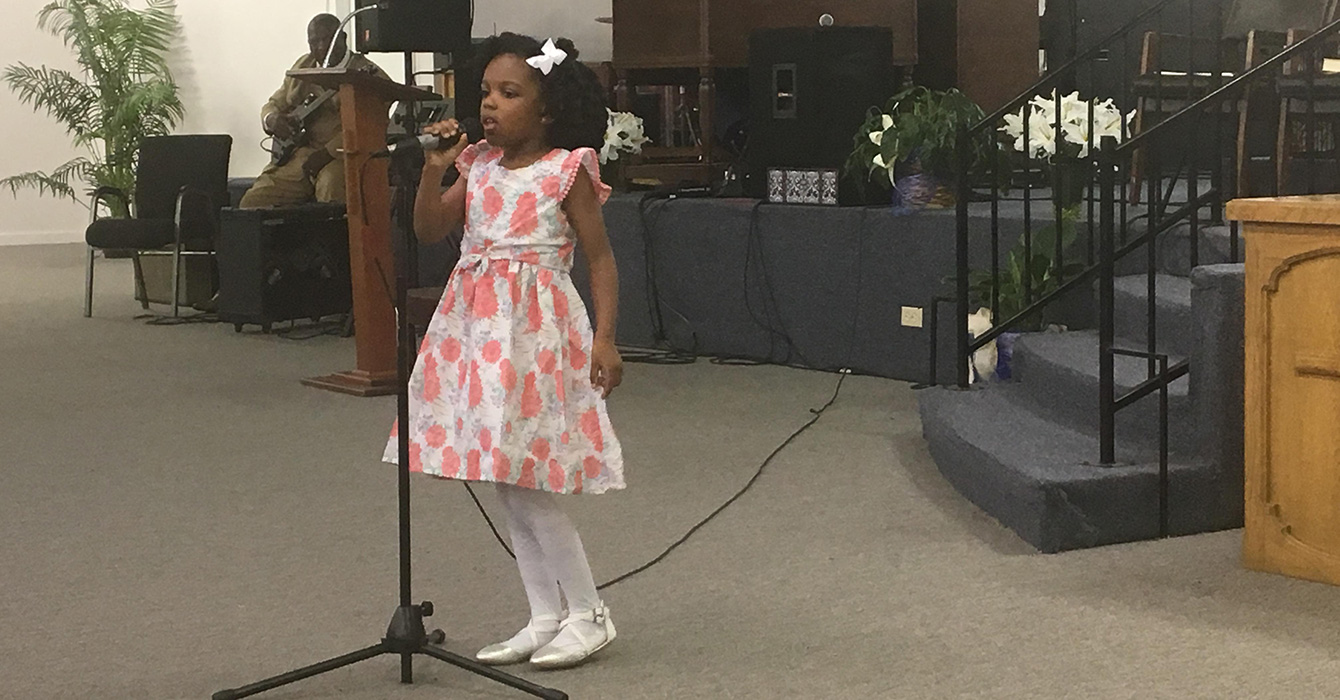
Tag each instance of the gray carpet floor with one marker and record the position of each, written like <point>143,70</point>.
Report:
<point>178,515</point>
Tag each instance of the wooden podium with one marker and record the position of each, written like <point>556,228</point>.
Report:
<point>1292,385</point>
<point>365,100</point>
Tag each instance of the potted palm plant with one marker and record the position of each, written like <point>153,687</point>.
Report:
<point>122,92</point>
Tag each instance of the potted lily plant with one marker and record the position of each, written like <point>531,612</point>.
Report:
<point>1065,153</point>
<point>908,148</point>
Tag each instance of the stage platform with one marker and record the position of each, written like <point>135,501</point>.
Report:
<point>812,286</point>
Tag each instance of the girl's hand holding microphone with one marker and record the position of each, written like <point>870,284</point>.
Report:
<point>449,131</point>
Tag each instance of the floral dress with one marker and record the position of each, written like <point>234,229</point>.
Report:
<point>502,389</point>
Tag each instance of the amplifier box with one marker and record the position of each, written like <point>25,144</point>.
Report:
<point>399,26</point>
<point>283,264</point>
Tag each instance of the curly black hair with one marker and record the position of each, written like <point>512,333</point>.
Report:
<point>572,94</point>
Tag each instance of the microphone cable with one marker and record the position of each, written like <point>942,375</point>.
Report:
<point>816,414</point>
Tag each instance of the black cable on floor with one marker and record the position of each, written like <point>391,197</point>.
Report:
<point>332,327</point>
<point>817,414</point>
<point>497,535</point>
<point>668,354</point>
<point>157,320</point>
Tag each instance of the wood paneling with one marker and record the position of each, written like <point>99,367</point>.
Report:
<point>1292,387</point>
<point>715,33</point>
<point>986,48</point>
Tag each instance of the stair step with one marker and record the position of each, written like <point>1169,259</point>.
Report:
<point>1215,248</point>
<point>1174,323</point>
<point>1059,374</point>
<point>1038,477</point>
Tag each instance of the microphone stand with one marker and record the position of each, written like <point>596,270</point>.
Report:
<point>406,635</point>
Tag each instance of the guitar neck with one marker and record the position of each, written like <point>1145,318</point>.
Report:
<point>303,112</point>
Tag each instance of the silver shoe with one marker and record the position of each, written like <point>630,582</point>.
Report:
<point>521,646</point>
<point>571,646</point>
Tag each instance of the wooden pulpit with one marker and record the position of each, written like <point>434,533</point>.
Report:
<point>1292,385</point>
<point>365,100</point>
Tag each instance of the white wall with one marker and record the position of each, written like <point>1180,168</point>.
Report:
<point>32,141</point>
<point>231,56</point>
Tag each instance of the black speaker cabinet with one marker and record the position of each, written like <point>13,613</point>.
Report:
<point>414,25</point>
<point>283,264</point>
<point>809,91</point>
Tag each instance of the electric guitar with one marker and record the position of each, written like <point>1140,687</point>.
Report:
<point>281,150</point>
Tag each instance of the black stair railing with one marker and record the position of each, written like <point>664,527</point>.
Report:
<point>1294,77</point>
<point>1191,110</point>
<point>999,173</point>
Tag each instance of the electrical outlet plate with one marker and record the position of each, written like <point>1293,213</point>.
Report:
<point>912,316</point>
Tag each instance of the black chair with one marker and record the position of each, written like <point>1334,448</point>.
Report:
<point>181,183</point>
<point>1175,71</point>
<point>1307,153</point>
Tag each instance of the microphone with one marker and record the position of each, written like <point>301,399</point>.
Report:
<point>473,130</point>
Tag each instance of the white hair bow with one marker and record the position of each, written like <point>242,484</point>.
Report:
<point>549,57</point>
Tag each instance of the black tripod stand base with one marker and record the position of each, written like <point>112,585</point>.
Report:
<point>386,648</point>
<point>405,637</point>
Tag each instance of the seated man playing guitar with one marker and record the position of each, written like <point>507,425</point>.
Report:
<point>304,121</point>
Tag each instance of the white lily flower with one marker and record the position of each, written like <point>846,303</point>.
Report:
<point>1041,139</point>
<point>623,133</point>
<point>877,137</point>
<point>1014,125</point>
<point>1083,123</point>
<point>1073,109</point>
<point>1078,134</point>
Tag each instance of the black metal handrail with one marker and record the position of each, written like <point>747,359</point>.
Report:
<point>1088,273</point>
<point>1164,224</point>
<point>1120,168</point>
<point>1109,403</point>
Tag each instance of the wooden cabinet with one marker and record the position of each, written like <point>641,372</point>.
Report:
<point>1292,385</point>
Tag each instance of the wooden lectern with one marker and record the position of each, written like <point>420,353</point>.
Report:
<point>1292,385</point>
<point>365,100</point>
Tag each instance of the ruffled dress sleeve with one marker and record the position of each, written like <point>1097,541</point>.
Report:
<point>583,160</point>
<point>467,158</point>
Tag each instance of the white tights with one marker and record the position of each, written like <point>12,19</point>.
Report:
<point>548,551</point>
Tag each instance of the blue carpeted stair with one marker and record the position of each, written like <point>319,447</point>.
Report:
<point>1025,450</point>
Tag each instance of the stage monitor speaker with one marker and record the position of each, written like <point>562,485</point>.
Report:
<point>468,75</point>
<point>441,26</point>
<point>283,264</point>
<point>809,90</point>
